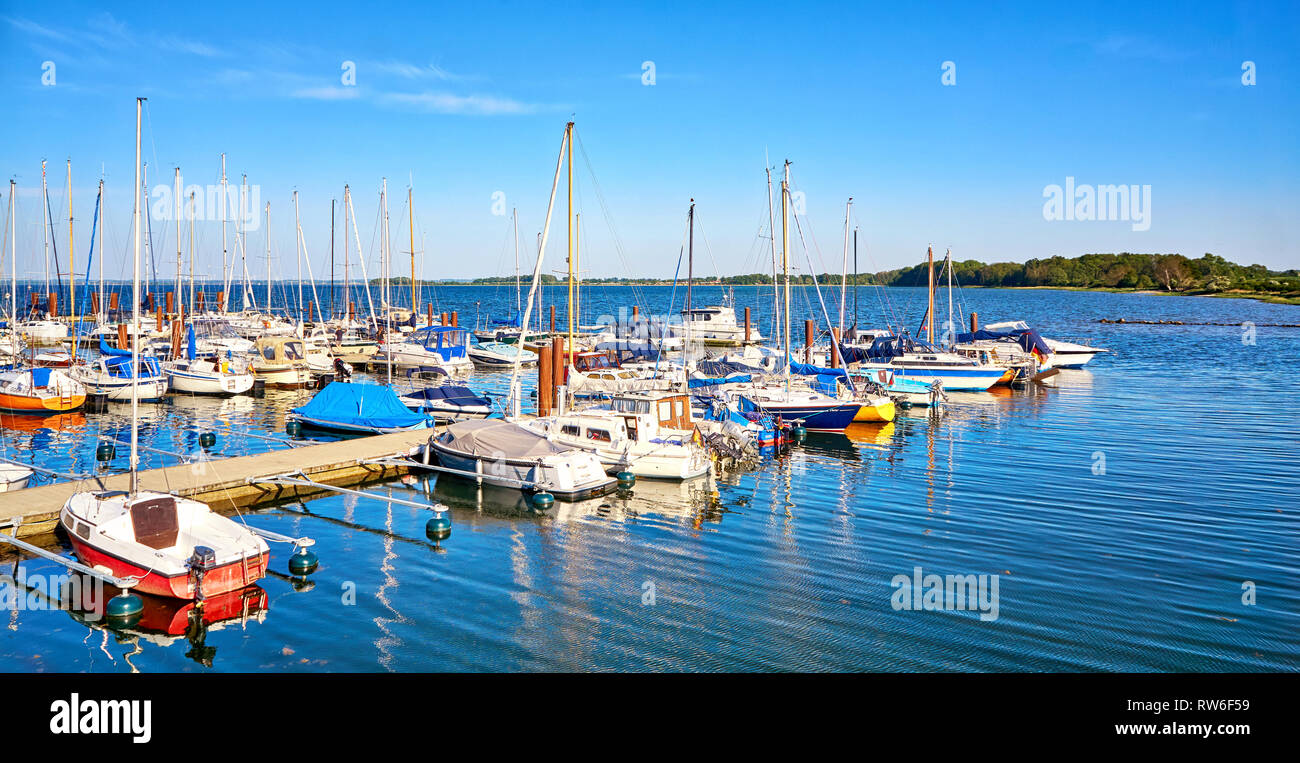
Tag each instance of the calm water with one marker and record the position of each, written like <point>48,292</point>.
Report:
<point>1138,566</point>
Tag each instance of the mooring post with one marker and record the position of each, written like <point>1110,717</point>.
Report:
<point>807,340</point>
<point>746,325</point>
<point>545,379</point>
<point>974,322</point>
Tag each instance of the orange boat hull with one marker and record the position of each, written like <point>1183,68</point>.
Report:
<point>26,404</point>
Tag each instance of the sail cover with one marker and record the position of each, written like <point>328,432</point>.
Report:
<point>360,405</point>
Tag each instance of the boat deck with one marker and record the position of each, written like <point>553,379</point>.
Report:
<point>224,483</point>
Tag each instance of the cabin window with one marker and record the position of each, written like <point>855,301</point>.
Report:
<point>569,429</point>
<point>83,530</point>
<point>665,410</point>
<point>293,350</point>
<point>681,408</point>
<point>599,435</point>
<point>269,353</point>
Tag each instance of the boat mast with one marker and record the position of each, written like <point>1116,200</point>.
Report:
<point>690,280</point>
<point>785,266</point>
<point>410,209</point>
<point>297,246</point>
<point>519,305</point>
<point>13,260</point>
<point>771,230</point>
<point>844,266</point>
<point>72,269</point>
<point>568,131</point>
<point>246,291</point>
<point>178,234</point>
<point>268,259</point>
<point>332,259</point>
<point>929,315</point>
<point>387,253</point>
<point>225,267</point>
<point>103,306</point>
<point>191,221</point>
<point>952,329</point>
<point>45,228</point>
<point>347,284</point>
<point>855,278</point>
<point>516,403</point>
<point>135,299</point>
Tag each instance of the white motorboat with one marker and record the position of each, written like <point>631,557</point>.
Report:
<point>448,402</point>
<point>500,355</point>
<point>209,376</point>
<point>1064,354</point>
<point>716,325</point>
<point>505,454</point>
<point>281,362</point>
<point>14,477</point>
<point>649,434</point>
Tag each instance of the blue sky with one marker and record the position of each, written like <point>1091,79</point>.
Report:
<point>470,99</point>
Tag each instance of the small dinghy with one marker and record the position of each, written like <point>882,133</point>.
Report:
<point>367,408</point>
<point>505,454</point>
<point>449,402</point>
<point>14,477</point>
<point>175,546</point>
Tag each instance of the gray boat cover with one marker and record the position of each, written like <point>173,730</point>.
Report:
<point>498,438</point>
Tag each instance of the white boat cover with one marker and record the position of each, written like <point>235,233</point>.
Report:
<point>498,438</point>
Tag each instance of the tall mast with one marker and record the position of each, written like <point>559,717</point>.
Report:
<point>844,267</point>
<point>72,269</point>
<point>690,279</point>
<point>225,267</point>
<point>331,259</point>
<point>855,277</point>
<point>410,209</point>
<point>929,315</point>
<point>268,259</point>
<point>103,306</point>
<point>347,284</point>
<point>178,234</point>
<point>952,329</point>
<point>45,228</point>
<point>135,299</point>
<point>297,246</point>
<point>387,253</point>
<point>568,131</point>
<point>191,310</point>
<point>577,270</point>
<point>519,306</point>
<point>242,231</point>
<point>771,230</point>
<point>785,265</point>
<point>13,258</point>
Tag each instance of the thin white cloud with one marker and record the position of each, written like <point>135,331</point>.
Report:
<point>333,93</point>
<point>450,103</point>
<point>415,71</point>
<point>193,47</point>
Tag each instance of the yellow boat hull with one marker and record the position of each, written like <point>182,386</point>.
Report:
<point>878,412</point>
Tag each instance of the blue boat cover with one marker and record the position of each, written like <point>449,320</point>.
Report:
<point>107,351</point>
<point>712,382</point>
<point>1028,339</point>
<point>452,393</point>
<point>40,377</point>
<point>359,405</point>
<point>513,321</point>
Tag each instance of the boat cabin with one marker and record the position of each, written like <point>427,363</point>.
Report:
<point>448,341</point>
<point>667,410</point>
<point>279,350</point>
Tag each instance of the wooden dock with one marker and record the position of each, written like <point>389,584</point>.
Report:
<point>224,484</point>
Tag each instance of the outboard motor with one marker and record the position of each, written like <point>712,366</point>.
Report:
<point>202,560</point>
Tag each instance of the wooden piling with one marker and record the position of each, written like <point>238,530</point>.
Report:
<point>747,334</point>
<point>54,304</point>
<point>171,303</point>
<point>311,315</point>
<point>454,320</point>
<point>545,382</point>
<point>352,311</point>
<point>221,299</point>
<point>807,340</point>
<point>974,322</point>
<point>123,340</point>
<point>835,347</point>
<point>559,367</point>
<point>428,309</point>
<point>198,295</point>
<point>94,302</point>
<point>442,319</point>
<point>552,319</point>
<point>112,302</point>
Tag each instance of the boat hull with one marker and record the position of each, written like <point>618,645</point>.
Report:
<point>815,418</point>
<point>218,580</point>
<point>210,384</point>
<point>876,411</point>
<point>43,405</point>
<point>506,472</point>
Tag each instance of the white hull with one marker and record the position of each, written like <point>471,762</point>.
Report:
<point>214,383</point>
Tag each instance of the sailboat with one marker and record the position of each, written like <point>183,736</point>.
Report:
<point>174,547</point>
<point>816,411</point>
